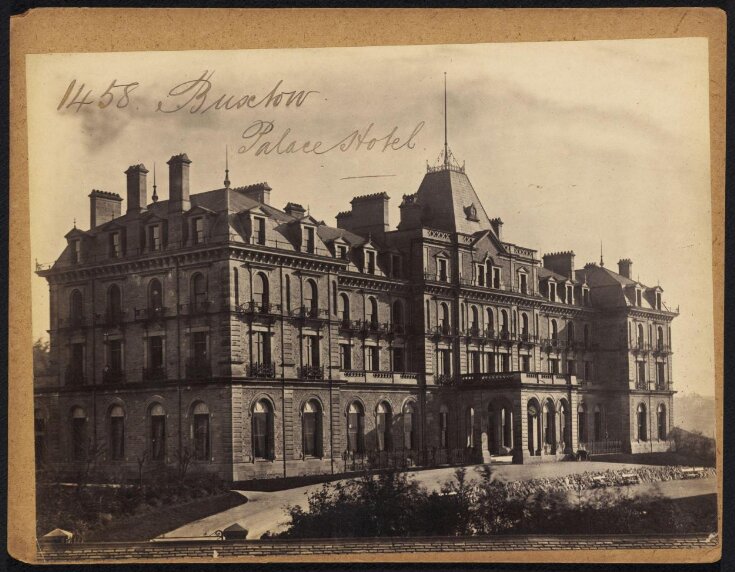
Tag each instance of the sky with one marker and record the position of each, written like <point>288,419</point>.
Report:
<point>572,144</point>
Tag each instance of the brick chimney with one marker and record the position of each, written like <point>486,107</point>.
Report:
<point>178,183</point>
<point>260,192</point>
<point>625,267</point>
<point>497,225</point>
<point>103,207</point>
<point>411,212</point>
<point>137,188</point>
<point>295,210</point>
<point>561,263</point>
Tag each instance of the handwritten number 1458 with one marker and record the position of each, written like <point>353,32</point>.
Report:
<point>80,98</point>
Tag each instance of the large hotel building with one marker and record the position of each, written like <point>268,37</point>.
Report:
<point>216,329</point>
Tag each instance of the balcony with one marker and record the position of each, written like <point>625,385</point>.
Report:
<point>373,327</point>
<point>474,332</point>
<point>553,344</point>
<point>526,339</point>
<point>311,372</point>
<point>641,384</point>
<point>348,325</point>
<point>517,377</point>
<point>112,375</point>
<point>262,370</point>
<point>662,349</point>
<point>259,308</point>
<point>396,328</point>
<point>434,277</point>
<point>639,346</point>
<point>442,330</point>
<point>74,376</point>
<point>111,318</point>
<point>310,313</point>
<point>195,308</point>
<point>154,373</point>
<point>151,314</point>
<point>198,369</point>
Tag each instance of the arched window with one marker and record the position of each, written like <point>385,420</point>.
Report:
<point>158,432</point>
<point>549,425</point>
<point>444,318</point>
<point>565,426</point>
<point>640,335</point>
<point>474,320</point>
<point>534,447</point>
<point>586,335</point>
<point>311,424</point>
<point>443,427</point>
<point>398,315</point>
<point>642,423</point>
<point>383,424</point>
<point>344,307</point>
<point>490,321</point>
<point>570,332</point>
<point>524,326</point>
<point>311,297</point>
<point>469,423</point>
<point>661,422</point>
<point>598,436</point>
<point>581,424</point>
<point>78,434</point>
<point>114,304</point>
<point>410,427</point>
<point>356,428</point>
<point>200,431</point>
<point>117,433</point>
<point>263,440</point>
<point>155,295</point>
<point>76,308</point>
<point>506,427</point>
<point>198,291</point>
<point>261,293</point>
<point>554,330</point>
<point>503,322</point>
<point>660,338</point>
<point>372,311</point>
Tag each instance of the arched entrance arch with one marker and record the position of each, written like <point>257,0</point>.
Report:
<point>533,427</point>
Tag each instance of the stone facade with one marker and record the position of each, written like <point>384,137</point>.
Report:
<point>261,343</point>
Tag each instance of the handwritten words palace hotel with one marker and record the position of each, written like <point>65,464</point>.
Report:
<point>259,342</point>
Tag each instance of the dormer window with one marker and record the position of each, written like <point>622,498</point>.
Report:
<point>658,300</point>
<point>154,237</point>
<point>309,244</point>
<point>115,246</point>
<point>552,291</point>
<point>370,262</point>
<point>76,251</point>
<point>586,296</point>
<point>523,283</point>
<point>570,294</point>
<point>197,228</point>
<point>259,230</point>
<point>479,274</point>
<point>638,297</point>
<point>441,270</point>
<point>395,263</point>
<point>496,277</point>
<point>342,251</point>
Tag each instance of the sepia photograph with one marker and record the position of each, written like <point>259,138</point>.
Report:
<point>385,299</point>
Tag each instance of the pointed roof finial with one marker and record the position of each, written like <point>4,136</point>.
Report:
<point>75,222</point>
<point>446,145</point>
<point>155,195</point>
<point>602,262</point>
<point>227,170</point>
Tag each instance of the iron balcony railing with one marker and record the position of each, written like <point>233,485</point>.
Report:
<point>111,318</point>
<point>253,307</point>
<point>311,372</point>
<point>198,368</point>
<point>310,312</point>
<point>151,313</point>
<point>553,344</point>
<point>661,348</point>
<point>112,375</point>
<point>198,307</point>
<point>154,373</point>
<point>639,346</point>
<point>262,370</point>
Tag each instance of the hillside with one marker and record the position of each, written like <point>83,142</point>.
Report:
<point>694,412</point>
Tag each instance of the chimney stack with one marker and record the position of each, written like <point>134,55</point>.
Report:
<point>137,188</point>
<point>260,192</point>
<point>178,183</point>
<point>625,267</point>
<point>103,207</point>
<point>295,210</point>
<point>497,225</point>
<point>561,263</point>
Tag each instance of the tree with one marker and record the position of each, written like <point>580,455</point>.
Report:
<point>41,356</point>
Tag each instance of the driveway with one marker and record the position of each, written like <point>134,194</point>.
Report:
<point>265,511</point>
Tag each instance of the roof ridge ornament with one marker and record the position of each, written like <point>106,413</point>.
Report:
<point>446,160</point>
<point>227,170</point>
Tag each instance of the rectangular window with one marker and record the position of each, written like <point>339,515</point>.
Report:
<point>443,363</point>
<point>158,437</point>
<point>504,362</point>
<point>262,348</point>
<point>75,252</point>
<point>641,372</point>
<point>638,298</point>
<point>496,277</point>
<point>117,438</point>
<point>198,230</point>
<point>571,367</point>
<point>372,358</point>
<point>78,438</point>
<point>155,352</point>
<point>115,247</point>
<point>154,237</point>
<point>588,370</point>
<point>115,355</point>
<point>553,366</point>
<point>342,252</point>
<point>199,347</point>
<point>259,230</point>
<point>479,274</point>
<point>525,363</point>
<point>552,291</point>
<point>309,239</point>
<point>396,266</point>
<point>260,435</point>
<point>658,300</point>
<point>77,358</point>
<point>370,262</point>
<point>442,270</point>
<point>661,374</point>
<point>523,283</point>
<point>490,360</point>
<point>586,296</point>
<point>399,363</point>
<point>345,356</point>
<point>311,356</point>
<point>570,294</point>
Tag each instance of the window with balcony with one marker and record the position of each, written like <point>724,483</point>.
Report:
<point>200,431</point>
<point>571,367</point>
<point>490,362</point>
<point>356,428</point>
<point>442,270</point>
<point>372,358</point>
<point>443,362</point>
<point>383,424</point>
<point>259,231</point>
<point>311,428</point>
<point>372,311</point>
<point>343,308</point>
<point>263,431</point>
<point>154,237</point>
<point>504,362</point>
<point>78,434</point>
<point>262,348</point>
<point>525,334</point>
<point>474,321</point>
<point>399,359</point>
<point>311,351</point>
<point>261,293</point>
<point>311,297</point>
<point>474,362</point>
<point>444,318</point>
<point>117,433</point>
<point>504,329</point>
<point>641,372</point>
<point>553,365</point>
<point>554,331</point>
<point>345,356</point>
<point>641,336</point>
<point>155,296</point>
<point>158,432</point>
<point>115,247</point>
